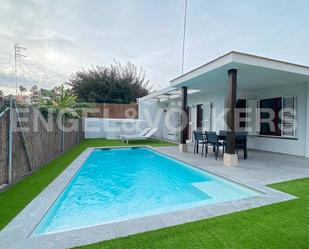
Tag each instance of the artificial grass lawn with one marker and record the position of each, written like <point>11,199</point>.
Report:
<point>14,199</point>
<point>283,225</point>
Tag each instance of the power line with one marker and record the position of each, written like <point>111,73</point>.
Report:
<point>17,54</point>
<point>184,36</point>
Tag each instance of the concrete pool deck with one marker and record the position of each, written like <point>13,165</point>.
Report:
<point>260,169</point>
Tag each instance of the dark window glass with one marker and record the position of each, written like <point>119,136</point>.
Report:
<point>274,104</point>
<point>241,104</point>
<point>199,117</point>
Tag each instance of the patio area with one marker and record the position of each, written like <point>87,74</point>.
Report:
<point>261,167</point>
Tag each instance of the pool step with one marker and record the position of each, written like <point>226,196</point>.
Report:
<point>215,190</point>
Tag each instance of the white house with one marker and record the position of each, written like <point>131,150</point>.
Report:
<point>261,83</point>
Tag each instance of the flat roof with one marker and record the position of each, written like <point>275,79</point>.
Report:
<point>243,58</point>
<point>167,93</point>
<point>231,60</point>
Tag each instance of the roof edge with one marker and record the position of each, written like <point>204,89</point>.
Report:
<point>269,59</point>
<point>204,65</point>
<point>240,57</point>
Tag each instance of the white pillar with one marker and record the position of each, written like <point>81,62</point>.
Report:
<point>307,122</point>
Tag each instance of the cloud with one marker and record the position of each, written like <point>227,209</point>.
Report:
<point>62,37</point>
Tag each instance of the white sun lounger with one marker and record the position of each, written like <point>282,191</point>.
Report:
<point>146,134</point>
<point>140,134</point>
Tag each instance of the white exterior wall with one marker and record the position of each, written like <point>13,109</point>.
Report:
<point>307,118</point>
<point>156,116</point>
<point>153,114</point>
<point>94,128</point>
<point>111,128</point>
<point>296,147</point>
<point>217,100</point>
<point>171,120</point>
<point>288,146</point>
<point>151,110</point>
<point>299,146</point>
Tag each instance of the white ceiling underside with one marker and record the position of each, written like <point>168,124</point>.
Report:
<point>253,73</point>
<point>167,94</point>
<point>248,78</point>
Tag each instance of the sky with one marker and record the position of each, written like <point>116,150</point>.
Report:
<point>65,36</point>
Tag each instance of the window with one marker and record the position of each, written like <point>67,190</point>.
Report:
<point>277,117</point>
<point>199,117</point>
<point>270,116</point>
<point>288,128</point>
<point>207,116</point>
<point>241,104</point>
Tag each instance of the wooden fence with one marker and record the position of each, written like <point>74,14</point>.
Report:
<point>36,145</point>
<point>121,111</point>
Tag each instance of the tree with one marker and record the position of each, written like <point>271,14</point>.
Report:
<point>35,94</point>
<point>22,89</point>
<point>114,84</point>
<point>34,89</point>
<point>2,101</point>
<point>59,101</point>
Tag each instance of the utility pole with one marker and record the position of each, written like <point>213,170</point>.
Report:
<point>184,37</point>
<point>17,54</point>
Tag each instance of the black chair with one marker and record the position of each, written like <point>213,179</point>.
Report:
<point>213,133</point>
<point>241,142</point>
<point>213,140</point>
<point>222,133</point>
<point>199,139</point>
<point>222,137</point>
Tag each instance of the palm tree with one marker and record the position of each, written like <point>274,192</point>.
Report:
<point>22,89</point>
<point>35,94</point>
<point>34,89</point>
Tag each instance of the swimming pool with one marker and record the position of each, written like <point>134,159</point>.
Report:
<point>120,184</point>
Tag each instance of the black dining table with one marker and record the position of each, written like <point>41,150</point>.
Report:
<point>241,140</point>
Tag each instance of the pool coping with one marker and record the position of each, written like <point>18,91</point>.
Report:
<point>17,233</point>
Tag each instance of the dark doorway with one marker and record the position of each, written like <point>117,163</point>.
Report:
<point>189,126</point>
<point>199,117</point>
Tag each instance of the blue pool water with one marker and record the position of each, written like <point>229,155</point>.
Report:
<point>120,184</point>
